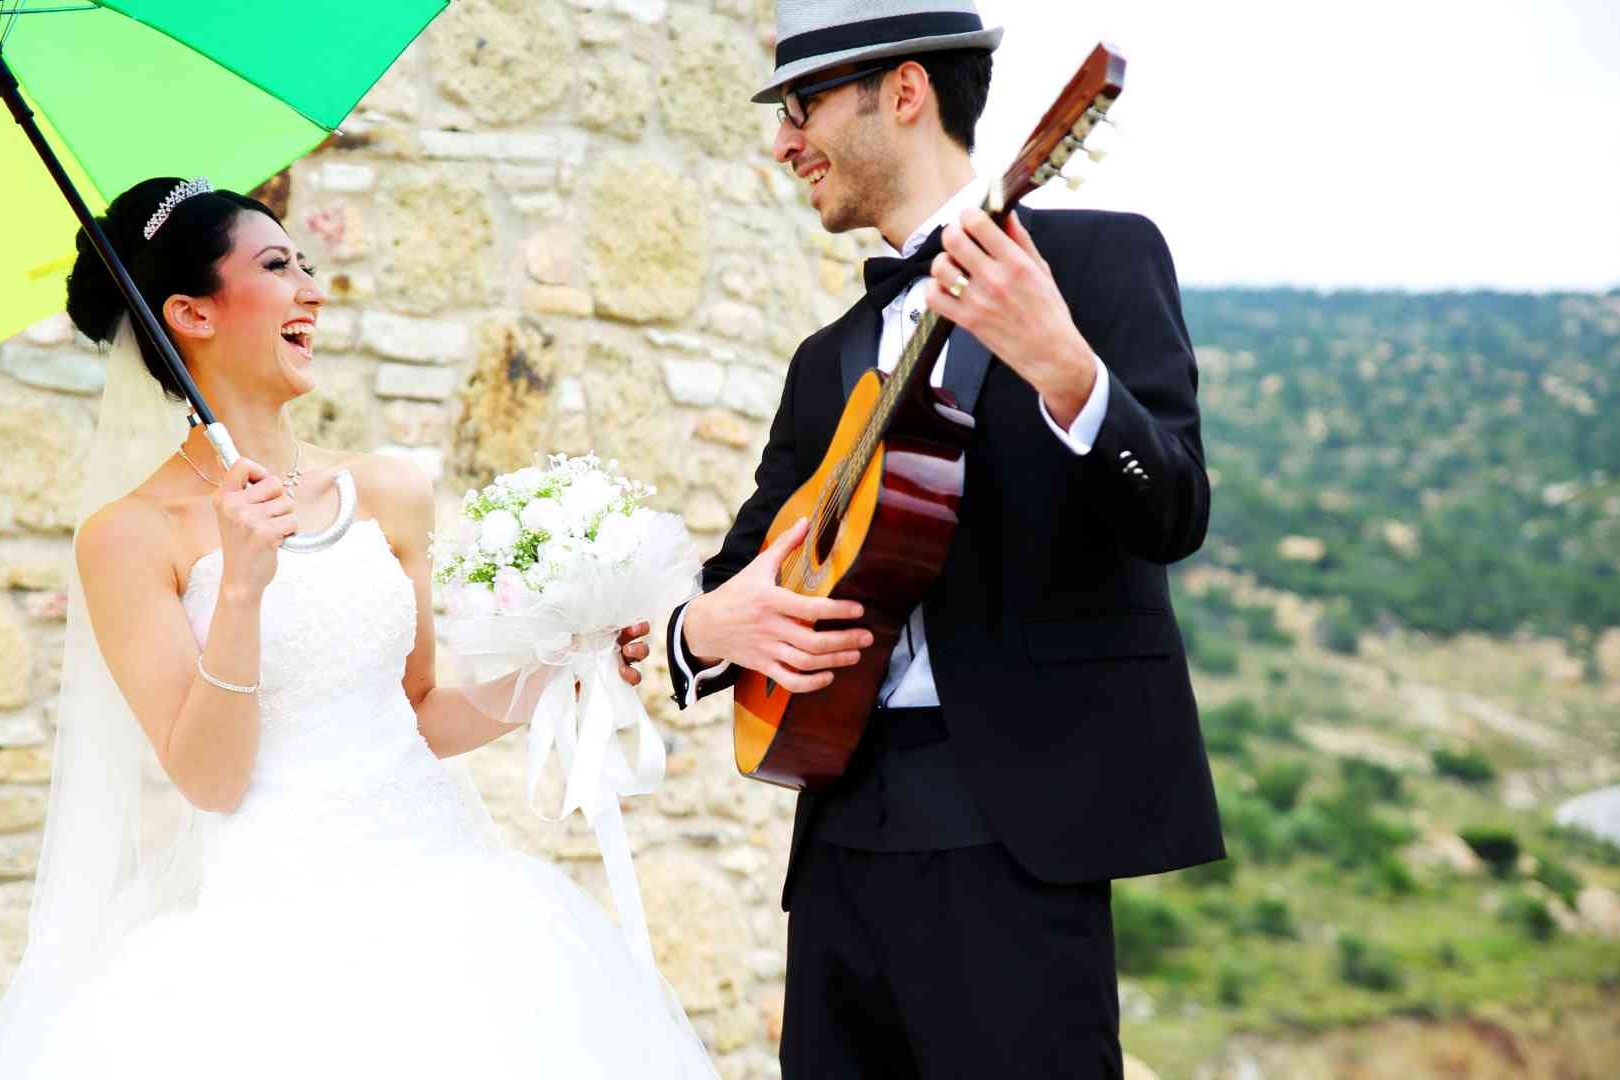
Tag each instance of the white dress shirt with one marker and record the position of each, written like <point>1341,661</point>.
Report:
<point>910,678</point>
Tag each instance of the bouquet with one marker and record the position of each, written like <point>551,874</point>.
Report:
<point>548,565</point>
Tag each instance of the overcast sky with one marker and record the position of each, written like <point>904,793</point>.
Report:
<point>1383,143</point>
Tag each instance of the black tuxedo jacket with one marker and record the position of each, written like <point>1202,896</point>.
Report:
<point>1056,655</point>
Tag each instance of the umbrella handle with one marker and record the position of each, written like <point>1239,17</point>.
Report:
<point>141,314</point>
<point>301,543</point>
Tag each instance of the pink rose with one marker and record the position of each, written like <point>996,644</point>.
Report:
<point>510,591</point>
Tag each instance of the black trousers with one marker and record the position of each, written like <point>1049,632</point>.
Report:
<point>949,964</point>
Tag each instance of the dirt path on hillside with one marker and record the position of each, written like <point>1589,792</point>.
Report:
<point>1580,1045</point>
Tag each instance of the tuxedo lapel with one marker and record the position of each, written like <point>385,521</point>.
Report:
<point>966,361</point>
<point>860,345</point>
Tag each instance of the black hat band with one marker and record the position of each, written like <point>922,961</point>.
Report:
<point>836,39</point>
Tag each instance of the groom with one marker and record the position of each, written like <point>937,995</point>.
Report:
<point>1036,735</point>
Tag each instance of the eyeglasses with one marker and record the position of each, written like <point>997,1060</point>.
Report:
<point>795,102</point>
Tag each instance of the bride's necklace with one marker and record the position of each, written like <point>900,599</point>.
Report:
<point>289,479</point>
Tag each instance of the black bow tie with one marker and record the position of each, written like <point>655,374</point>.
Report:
<point>887,278</point>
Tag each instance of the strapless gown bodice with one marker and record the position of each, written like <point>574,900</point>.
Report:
<point>342,776</point>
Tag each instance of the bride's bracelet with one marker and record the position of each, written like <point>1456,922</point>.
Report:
<point>234,688</point>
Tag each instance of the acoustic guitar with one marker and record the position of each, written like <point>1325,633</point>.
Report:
<point>883,503</point>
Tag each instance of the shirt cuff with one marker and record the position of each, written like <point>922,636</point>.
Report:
<point>680,660</point>
<point>1082,434</point>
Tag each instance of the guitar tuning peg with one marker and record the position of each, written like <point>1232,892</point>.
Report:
<point>1075,181</point>
<point>1102,142</point>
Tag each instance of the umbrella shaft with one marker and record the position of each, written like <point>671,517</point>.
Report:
<point>12,92</point>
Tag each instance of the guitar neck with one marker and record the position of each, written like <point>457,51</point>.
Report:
<point>913,372</point>
<point>915,369</point>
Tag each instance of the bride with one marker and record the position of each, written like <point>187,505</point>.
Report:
<point>319,900</point>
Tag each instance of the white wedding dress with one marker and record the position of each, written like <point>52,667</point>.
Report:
<point>348,921</point>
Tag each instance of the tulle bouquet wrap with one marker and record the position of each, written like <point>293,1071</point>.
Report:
<point>548,565</point>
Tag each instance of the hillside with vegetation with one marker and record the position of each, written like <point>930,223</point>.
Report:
<point>1405,645</point>
<point>1446,461</point>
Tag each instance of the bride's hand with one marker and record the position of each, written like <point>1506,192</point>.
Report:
<point>255,514</point>
<point>631,650</point>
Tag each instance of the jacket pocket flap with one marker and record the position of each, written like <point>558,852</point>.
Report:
<point>1103,637</point>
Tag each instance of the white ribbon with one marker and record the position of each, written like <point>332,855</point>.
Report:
<point>573,624</point>
<point>583,728</point>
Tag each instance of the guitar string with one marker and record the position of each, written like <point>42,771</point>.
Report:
<point>847,476</point>
<point>852,468</point>
<point>847,473</point>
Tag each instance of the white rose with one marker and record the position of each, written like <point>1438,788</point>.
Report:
<point>616,538</point>
<point>499,531</point>
<point>588,496</point>
<point>538,576</point>
<point>544,515</point>
<point>473,600</point>
<point>467,535</point>
<point>526,480</point>
<point>563,555</point>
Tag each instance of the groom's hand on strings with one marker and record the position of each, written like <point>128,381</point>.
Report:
<point>753,621</point>
<point>632,650</point>
<point>1009,300</point>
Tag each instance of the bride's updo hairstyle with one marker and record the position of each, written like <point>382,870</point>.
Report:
<point>181,258</point>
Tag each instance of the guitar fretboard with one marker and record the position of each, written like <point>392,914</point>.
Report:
<point>901,383</point>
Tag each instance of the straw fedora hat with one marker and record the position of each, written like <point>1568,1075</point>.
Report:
<point>812,35</point>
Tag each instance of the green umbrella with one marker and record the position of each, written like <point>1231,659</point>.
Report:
<point>127,89</point>
<point>106,94</point>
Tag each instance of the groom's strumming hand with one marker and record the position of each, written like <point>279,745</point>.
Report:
<point>753,621</point>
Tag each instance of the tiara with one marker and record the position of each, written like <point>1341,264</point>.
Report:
<point>199,186</point>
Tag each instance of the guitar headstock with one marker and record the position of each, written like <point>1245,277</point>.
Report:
<point>1063,131</point>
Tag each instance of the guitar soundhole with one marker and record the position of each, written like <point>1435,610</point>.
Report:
<point>826,536</point>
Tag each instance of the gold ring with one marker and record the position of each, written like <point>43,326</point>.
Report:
<point>958,287</point>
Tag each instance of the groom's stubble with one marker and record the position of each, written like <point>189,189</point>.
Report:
<point>868,158</point>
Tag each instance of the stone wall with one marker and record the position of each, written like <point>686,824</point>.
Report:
<point>550,227</point>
